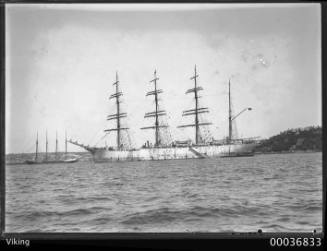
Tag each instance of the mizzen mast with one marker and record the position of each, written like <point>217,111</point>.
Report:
<point>118,115</point>
<point>197,110</point>
<point>157,112</point>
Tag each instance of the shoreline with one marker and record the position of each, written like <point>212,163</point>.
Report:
<point>288,152</point>
<point>255,153</point>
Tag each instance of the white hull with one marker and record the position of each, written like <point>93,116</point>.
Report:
<point>168,153</point>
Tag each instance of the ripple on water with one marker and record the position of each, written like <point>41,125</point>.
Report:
<point>273,192</point>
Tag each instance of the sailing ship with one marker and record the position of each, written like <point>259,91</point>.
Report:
<point>161,149</point>
<point>48,160</point>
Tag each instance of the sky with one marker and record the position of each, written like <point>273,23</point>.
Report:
<point>62,59</point>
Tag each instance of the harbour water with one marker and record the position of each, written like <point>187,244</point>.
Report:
<point>271,192</point>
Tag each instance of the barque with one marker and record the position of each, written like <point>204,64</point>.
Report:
<point>161,149</point>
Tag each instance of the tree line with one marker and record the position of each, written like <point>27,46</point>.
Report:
<point>299,139</point>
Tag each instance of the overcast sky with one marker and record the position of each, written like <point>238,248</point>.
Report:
<point>61,61</point>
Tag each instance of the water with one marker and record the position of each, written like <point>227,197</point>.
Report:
<point>277,192</point>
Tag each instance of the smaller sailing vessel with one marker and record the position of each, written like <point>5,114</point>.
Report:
<point>47,160</point>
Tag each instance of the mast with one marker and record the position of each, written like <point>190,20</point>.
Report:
<point>118,112</point>
<point>229,115</point>
<point>196,107</point>
<point>118,115</point>
<point>157,112</point>
<point>37,145</point>
<point>46,145</point>
<point>197,110</point>
<point>65,142</point>
<point>56,143</point>
<point>156,102</point>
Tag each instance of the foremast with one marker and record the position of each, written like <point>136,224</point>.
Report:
<point>197,110</point>
<point>156,113</point>
<point>118,115</point>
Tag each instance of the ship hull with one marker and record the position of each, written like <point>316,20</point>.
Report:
<point>169,153</point>
<point>34,162</point>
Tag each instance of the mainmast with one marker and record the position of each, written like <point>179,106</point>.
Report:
<point>229,116</point>
<point>197,110</point>
<point>157,112</point>
<point>118,115</point>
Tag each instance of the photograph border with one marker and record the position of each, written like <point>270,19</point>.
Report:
<point>106,239</point>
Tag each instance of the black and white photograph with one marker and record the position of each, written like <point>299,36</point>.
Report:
<point>163,118</point>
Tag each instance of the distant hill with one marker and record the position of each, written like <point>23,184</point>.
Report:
<point>299,139</point>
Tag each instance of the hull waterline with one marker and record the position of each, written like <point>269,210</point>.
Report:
<point>172,153</point>
<point>34,162</point>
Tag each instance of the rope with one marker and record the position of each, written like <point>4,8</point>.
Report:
<point>102,138</point>
<point>91,139</point>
